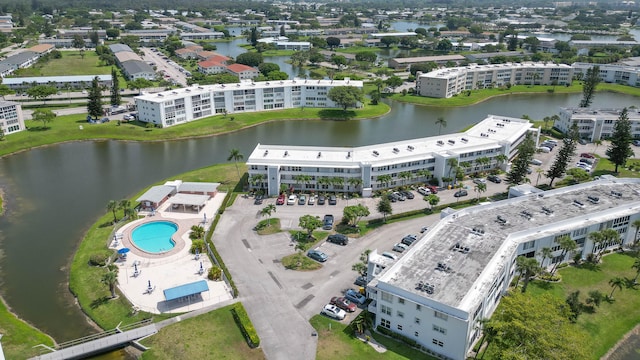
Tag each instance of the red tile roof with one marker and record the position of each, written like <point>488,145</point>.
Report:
<point>238,68</point>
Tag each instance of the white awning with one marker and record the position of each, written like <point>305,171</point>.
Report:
<point>189,199</point>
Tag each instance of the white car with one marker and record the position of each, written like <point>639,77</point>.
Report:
<point>400,247</point>
<point>333,311</point>
<point>291,200</point>
<point>390,255</point>
<point>535,162</point>
<point>424,191</point>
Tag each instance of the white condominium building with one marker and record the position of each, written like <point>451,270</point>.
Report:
<point>11,119</point>
<point>486,146</point>
<point>179,106</point>
<point>456,274</point>
<point>609,73</point>
<point>596,124</point>
<point>447,82</point>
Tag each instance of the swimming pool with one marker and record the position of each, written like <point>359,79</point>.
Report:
<point>154,237</point>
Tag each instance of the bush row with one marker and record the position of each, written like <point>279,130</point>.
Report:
<point>407,340</point>
<point>248,331</point>
<point>425,211</point>
<point>234,288</point>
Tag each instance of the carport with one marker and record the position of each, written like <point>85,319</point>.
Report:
<point>186,291</point>
<point>196,202</point>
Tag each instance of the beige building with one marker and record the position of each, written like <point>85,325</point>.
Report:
<point>445,83</point>
<point>11,119</point>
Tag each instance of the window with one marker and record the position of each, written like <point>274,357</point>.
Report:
<point>437,342</point>
<point>416,334</point>
<point>385,323</point>
<point>440,315</point>
<point>387,297</point>
<point>418,307</point>
<point>399,327</point>
<point>400,314</point>
<point>400,301</point>
<point>385,309</point>
<point>417,321</point>
<point>440,329</point>
<point>529,245</point>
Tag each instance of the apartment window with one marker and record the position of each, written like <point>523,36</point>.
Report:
<point>440,315</point>
<point>400,314</point>
<point>418,307</point>
<point>417,321</point>
<point>399,327</point>
<point>437,342</point>
<point>386,297</point>
<point>385,309</point>
<point>416,334</point>
<point>400,301</point>
<point>440,329</point>
<point>385,323</point>
<point>529,245</point>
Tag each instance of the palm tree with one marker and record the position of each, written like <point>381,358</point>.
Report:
<point>197,232</point>
<point>441,122</point>
<point>257,179</point>
<point>385,179</point>
<point>480,188</point>
<point>636,224</point>
<point>483,161</point>
<point>405,175</point>
<point>322,182</point>
<point>112,206</point>
<point>616,282</point>
<point>465,165</point>
<point>501,159</point>
<point>453,163</point>
<point>267,211</point>
<point>540,172</point>
<point>610,236</point>
<point>302,179</point>
<point>597,143</point>
<point>527,267</point>
<point>235,155</point>
<point>598,239</point>
<point>546,253</point>
<point>567,245</point>
<point>355,182</point>
<point>424,173</point>
<point>433,200</point>
<point>111,279</point>
<point>636,265</point>
<point>337,182</point>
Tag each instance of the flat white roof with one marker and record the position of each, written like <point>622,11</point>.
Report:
<point>390,153</point>
<point>46,79</point>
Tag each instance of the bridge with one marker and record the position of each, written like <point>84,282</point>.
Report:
<point>101,342</point>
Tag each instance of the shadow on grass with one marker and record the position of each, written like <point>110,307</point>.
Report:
<point>545,285</point>
<point>336,114</point>
<point>38,128</point>
<point>99,302</point>
<point>106,224</point>
<point>589,266</point>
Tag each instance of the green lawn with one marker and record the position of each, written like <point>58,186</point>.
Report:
<point>336,341</point>
<point>84,280</point>
<point>71,63</point>
<point>213,335</point>
<point>606,167</point>
<point>67,128</point>
<point>19,338</point>
<point>612,320</point>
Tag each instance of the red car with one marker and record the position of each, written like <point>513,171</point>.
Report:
<point>587,156</point>
<point>281,199</point>
<point>434,190</point>
<point>343,304</point>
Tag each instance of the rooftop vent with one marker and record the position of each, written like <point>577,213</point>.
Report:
<point>526,214</point>
<point>440,142</point>
<point>451,142</point>
<point>546,210</point>
<point>616,194</point>
<point>266,152</point>
<point>593,199</point>
<point>349,155</point>
<point>410,147</point>
<point>464,140</point>
<point>319,153</point>
<point>443,267</point>
<point>478,231</point>
<point>501,220</point>
<point>375,153</point>
<point>160,95</point>
<point>396,150</point>
<point>460,248</point>
<point>286,153</point>
<point>578,203</point>
<point>426,287</point>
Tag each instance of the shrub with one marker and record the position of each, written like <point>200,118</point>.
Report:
<point>404,339</point>
<point>100,258</point>
<point>197,245</point>
<point>215,273</point>
<point>244,323</point>
<point>563,265</point>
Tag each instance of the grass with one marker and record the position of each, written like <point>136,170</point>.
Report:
<point>19,338</point>
<point>209,336</point>
<point>84,280</point>
<point>71,63</point>
<point>611,320</point>
<point>66,128</point>
<point>336,341</point>
<point>268,227</point>
<point>299,261</point>
<point>606,167</point>
<point>306,243</point>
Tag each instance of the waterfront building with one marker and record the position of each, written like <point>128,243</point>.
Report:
<point>180,106</point>
<point>486,146</point>
<point>405,63</point>
<point>596,124</point>
<point>609,73</point>
<point>447,82</point>
<point>59,82</point>
<point>11,119</point>
<point>453,277</point>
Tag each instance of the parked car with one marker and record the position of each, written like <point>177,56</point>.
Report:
<point>461,193</point>
<point>586,161</point>
<point>424,191</point>
<point>327,222</point>
<point>317,255</point>
<point>479,181</point>
<point>408,194</point>
<point>544,149</point>
<point>302,199</point>
<point>399,196</point>
<point>389,255</point>
<point>280,200</point>
<point>583,141</point>
<point>355,297</point>
<point>291,200</point>
<point>392,197</point>
<point>584,166</point>
<point>494,179</point>
<point>258,199</point>
<point>409,239</point>
<point>636,142</point>
<point>333,311</point>
<point>535,162</point>
<point>343,304</point>
<point>321,200</point>
<point>433,189</point>
<point>333,200</point>
<point>338,239</point>
<point>587,156</point>
<point>312,200</point>
<point>424,229</point>
<point>361,281</point>
<point>400,247</point>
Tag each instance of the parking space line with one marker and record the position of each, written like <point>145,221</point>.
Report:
<point>274,279</point>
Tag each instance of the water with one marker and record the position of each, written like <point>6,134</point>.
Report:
<point>154,237</point>
<point>54,194</point>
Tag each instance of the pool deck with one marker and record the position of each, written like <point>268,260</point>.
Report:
<point>172,268</point>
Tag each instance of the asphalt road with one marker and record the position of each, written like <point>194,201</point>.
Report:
<point>163,65</point>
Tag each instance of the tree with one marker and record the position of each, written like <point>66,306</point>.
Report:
<point>112,33</point>
<point>253,36</point>
<point>441,122</point>
<point>235,155</point>
<point>433,200</point>
<point>527,267</point>
<point>533,43</point>
<point>636,225</point>
<point>94,103</point>
<point>267,211</point>
<point>82,54</point>
<point>139,84</point>
<point>355,182</point>
<point>619,150</point>
<point>94,37</point>
<point>333,42</point>
<point>125,205</point>
<point>479,189</point>
<point>527,327</point>
<point>112,206</point>
<point>423,173</point>
<point>385,179</point>
<point>299,58</point>
<point>546,253</point>
<point>636,265</point>
<point>616,283</point>
<point>595,297</point>
<point>367,56</point>
<point>394,81</point>
<point>197,232</point>
<point>5,90</point>
<point>575,306</point>
<point>338,60</point>
<point>565,154</point>
<point>567,245</point>
<point>388,40</point>
<point>475,30</point>
<point>518,172</point>
<point>540,172</point>
<point>253,59</point>
<point>346,96</point>
<point>591,80</point>
<point>405,175</point>
<point>115,88</point>
<point>444,45</point>
<point>77,42</point>
<point>309,223</point>
<point>41,92</point>
<point>384,207</point>
<point>110,278</point>
<point>315,57</point>
<point>44,115</point>
<point>353,214</point>
<point>361,267</point>
<point>265,68</point>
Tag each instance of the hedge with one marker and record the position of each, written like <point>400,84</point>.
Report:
<point>407,340</point>
<point>234,288</point>
<point>248,331</point>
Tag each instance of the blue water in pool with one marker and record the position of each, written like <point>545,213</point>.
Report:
<point>154,237</point>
